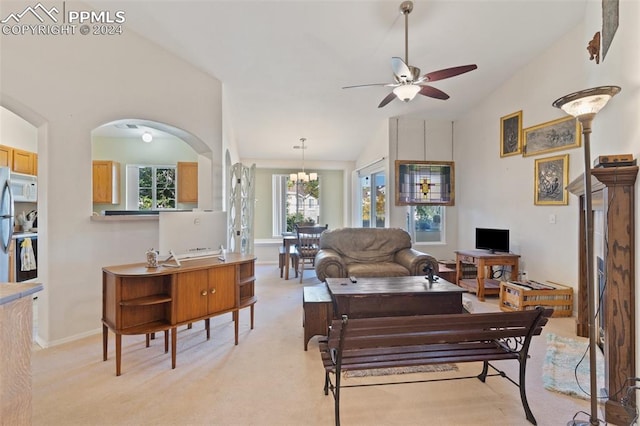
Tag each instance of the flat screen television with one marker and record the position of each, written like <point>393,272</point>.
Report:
<point>494,240</point>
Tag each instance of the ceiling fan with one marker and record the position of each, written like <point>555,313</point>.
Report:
<point>408,82</point>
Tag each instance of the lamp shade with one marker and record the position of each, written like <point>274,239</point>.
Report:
<point>293,177</point>
<point>406,92</point>
<point>588,101</point>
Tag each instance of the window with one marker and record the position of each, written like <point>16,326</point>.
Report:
<point>426,224</point>
<point>372,204</point>
<point>151,187</point>
<point>294,202</point>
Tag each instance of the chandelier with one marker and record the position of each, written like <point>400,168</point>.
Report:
<point>302,176</point>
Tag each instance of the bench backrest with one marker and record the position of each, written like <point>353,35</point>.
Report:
<point>362,333</point>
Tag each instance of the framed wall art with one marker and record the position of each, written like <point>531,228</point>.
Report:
<point>511,134</point>
<point>550,177</point>
<point>555,135</point>
<point>425,183</point>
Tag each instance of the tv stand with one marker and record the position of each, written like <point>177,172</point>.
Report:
<point>484,284</point>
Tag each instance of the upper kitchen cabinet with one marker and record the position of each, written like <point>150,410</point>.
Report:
<point>6,156</point>
<point>18,160</point>
<point>187,182</point>
<point>106,182</point>
<point>24,162</point>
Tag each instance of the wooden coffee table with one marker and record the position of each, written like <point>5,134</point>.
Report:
<point>391,296</point>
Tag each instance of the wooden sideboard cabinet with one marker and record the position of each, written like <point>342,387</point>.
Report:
<point>141,300</point>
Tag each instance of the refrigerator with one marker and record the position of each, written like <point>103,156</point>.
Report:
<point>6,222</point>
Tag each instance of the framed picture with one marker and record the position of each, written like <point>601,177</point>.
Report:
<point>511,134</point>
<point>555,135</point>
<point>551,176</point>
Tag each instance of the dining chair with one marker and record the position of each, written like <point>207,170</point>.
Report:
<point>308,245</point>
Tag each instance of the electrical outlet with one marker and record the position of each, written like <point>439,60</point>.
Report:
<point>523,276</point>
<point>552,218</point>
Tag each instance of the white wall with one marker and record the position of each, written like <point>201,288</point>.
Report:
<point>16,132</point>
<point>67,86</point>
<point>498,192</point>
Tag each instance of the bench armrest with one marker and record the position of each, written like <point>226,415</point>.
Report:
<point>416,261</point>
<point>329,264</point>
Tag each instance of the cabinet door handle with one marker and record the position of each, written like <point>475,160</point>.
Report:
<point>204,292</point>
<point>213,290</point>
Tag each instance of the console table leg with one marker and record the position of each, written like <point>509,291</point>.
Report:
<point>105,340</point>
<point>174,338</point>
<point>252,316</point>
<point>166,341</point>
<point>207,327</point>
<point>118,353</point>
<point>235,323</point>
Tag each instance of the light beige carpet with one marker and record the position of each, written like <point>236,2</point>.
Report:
<point>268,378</point>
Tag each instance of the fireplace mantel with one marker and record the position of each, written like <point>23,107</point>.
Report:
<point>613,201</point>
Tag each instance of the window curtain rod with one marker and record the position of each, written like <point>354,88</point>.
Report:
<point>370,164</point>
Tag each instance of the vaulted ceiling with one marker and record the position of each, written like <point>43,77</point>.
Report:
<point>283,63</point>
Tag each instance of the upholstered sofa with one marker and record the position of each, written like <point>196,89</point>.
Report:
<point>369,252</point>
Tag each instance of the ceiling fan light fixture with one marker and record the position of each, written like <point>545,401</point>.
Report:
<point>406,92</point>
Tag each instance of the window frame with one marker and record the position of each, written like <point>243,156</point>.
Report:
<point>132,186</point>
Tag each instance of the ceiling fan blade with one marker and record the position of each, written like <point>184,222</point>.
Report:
<point>370,85</point>
<point>432,92</point>
<point>391,96</point>
<point>448,72</point>
<point>400,69</point>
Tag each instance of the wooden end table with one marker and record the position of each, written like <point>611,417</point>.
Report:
<point>484,285</point>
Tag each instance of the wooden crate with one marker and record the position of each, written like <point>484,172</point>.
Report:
<point>515,297</point>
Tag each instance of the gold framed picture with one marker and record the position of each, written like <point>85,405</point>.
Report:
<point>511,134</point>
<point>555,135</point>
<point>551,175</point>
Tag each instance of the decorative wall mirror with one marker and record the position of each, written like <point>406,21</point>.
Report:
<point>425,183</point>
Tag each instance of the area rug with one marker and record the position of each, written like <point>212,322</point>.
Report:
<point>401,370</point>
<point>566,366</point>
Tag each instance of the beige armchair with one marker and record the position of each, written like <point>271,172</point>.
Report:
<point>370,252</point>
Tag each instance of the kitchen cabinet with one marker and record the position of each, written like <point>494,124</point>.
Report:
<point>24,162</point>
<point>6,156</point>
<point>141,300</point>
<point>20,161</point>
<point>187,182</point>
<point>106,182</point>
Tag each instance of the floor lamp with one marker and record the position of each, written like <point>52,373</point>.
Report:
<point>584,105</point>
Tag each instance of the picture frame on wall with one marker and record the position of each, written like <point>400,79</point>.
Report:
<point>550,176</point>
<point>555,135</point>
<point>511,134</point>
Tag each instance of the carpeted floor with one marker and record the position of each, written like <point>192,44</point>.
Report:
<point>268,378</point>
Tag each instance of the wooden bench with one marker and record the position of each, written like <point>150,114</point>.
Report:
<point>385,342</point>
